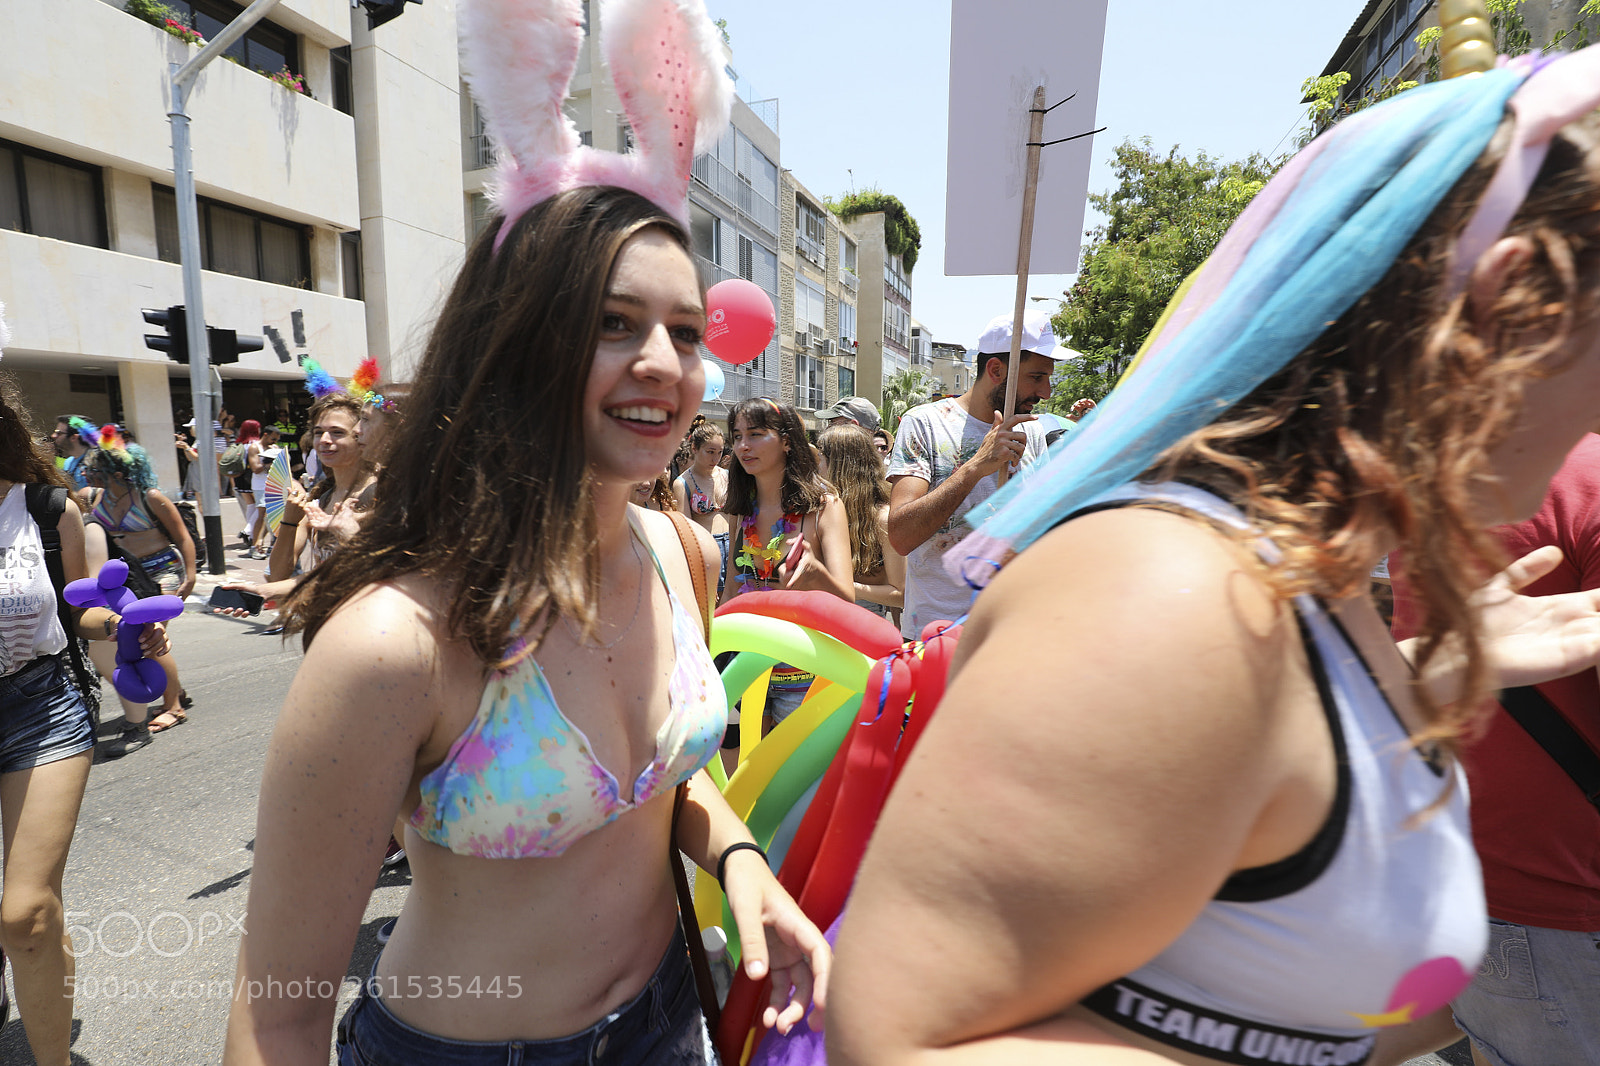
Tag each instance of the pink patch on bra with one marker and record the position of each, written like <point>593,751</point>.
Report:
<point>1429,986</point>
<point>474,756</point>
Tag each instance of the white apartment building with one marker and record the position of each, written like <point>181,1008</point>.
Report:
<point>338,210</point>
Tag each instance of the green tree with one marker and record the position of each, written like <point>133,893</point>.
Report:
<point>903,391</point>
<point>1162,220</point>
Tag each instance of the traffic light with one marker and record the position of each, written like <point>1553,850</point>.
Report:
<point>175,341</point>
<point>381,11</point>
<point>226,344</point>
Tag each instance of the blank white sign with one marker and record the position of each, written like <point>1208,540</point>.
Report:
<point>999,51</point>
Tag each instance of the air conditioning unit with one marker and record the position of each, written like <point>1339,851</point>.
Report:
<point>830,348</point>
<point>802,338</point>
<point>818,338</point>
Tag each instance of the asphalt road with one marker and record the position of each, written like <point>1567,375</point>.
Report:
<point>157,881</point>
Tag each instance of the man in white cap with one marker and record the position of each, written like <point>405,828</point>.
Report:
<point>852,411</point>
<point>946,458</point>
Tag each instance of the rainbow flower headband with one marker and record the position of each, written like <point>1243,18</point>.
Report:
<point>363,386</point>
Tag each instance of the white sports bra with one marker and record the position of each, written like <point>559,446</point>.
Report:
<point>1377,922</point>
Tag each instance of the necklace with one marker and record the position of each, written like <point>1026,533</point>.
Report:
<point>638,599</point>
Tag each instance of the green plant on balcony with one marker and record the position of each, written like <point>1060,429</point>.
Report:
<point>156,14</point>
<point>183,32</point>
<point>289,80</point>
<point>900,230</point>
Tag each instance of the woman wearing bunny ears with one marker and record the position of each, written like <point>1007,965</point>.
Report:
<point>510,653</point>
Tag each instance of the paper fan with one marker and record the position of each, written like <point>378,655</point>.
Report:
<point>278,481</point>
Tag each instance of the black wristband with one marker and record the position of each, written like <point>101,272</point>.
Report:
<point>722,860</point>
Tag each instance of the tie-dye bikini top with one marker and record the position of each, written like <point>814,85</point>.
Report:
<point>523,782</point>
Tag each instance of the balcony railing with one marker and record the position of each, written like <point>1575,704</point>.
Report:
<point>810,249</point>
<point>480,152</point>
<point>722,181</point>
<point>849,280</point>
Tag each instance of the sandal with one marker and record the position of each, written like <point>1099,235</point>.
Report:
<point>177,716</point>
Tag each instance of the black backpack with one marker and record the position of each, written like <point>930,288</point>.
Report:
<point>46,504</point>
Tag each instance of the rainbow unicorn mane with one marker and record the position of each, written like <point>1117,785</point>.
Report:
<point>319,382</point>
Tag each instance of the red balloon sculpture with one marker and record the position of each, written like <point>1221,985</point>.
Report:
<point>740,320</point>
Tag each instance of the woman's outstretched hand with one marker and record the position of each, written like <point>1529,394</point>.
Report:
<point>1531,639</point>
<point>775,936</point>
<point>1528,639</point>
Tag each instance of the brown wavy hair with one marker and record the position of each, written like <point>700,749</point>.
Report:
<point>1377,435</point>
<point>802,486</point>
<point>23,460</point>
<point>489,490</point>
<point>855,470</point>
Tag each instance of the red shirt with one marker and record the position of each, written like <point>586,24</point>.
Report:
<point>1538,837</point>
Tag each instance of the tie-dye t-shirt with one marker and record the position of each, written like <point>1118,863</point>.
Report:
<point>931,442</point>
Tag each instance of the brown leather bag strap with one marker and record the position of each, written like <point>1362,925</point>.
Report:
<point>698,962</point>
<point>697,567</point>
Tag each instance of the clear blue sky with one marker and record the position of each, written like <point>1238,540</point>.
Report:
<point>864,86</point>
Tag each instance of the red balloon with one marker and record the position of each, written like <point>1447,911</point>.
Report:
<point>740,320</point>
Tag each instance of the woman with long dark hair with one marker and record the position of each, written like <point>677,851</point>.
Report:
<point>1226,823</point>
<point>510,653</point>
<point>852,464</point>
<point>47,739</point>
<point>786,529</point>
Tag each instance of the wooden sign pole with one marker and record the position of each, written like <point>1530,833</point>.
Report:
<point>1030,191</point>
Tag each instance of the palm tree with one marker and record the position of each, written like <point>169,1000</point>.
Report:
<point>903,391</point>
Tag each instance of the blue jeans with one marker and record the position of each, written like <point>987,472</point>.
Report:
<point>662,1024</point>
<point>1536,998</point>
<point>722,571</point>
<point>42,717</point>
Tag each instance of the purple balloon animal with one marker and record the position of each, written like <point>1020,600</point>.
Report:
<point>136,678</point>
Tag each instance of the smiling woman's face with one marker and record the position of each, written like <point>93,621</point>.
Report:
<point>647,378</point>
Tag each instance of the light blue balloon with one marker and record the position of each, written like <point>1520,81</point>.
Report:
<point>716,381</point>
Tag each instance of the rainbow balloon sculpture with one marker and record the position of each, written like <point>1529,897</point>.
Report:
<point>811,790</point>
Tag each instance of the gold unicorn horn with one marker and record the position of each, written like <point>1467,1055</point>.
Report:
<point>1467,44</point>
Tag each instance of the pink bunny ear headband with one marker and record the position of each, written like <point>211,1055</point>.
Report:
<point>1560,91</point>
<point>665,57</point>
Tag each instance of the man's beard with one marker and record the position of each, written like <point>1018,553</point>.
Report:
<point>997,400</point>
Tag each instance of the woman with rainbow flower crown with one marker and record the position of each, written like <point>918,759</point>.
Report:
<point>1232,827</point>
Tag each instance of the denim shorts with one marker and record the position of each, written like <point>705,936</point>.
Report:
<point>1536,999</point>
<point>42,717</point>
<point>661,1025</point>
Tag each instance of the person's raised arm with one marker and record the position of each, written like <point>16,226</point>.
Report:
<point>342,760</point>
<point>292,536</point>
<point>916,511</point>
<point>1087,832</point>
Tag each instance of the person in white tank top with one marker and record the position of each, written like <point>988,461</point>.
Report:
<point>46,731</point>
<point>1184,799</point>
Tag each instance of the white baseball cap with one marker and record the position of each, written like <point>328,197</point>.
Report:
<point>1038,336</point>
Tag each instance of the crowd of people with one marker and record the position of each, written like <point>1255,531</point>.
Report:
<point>1187,797</point>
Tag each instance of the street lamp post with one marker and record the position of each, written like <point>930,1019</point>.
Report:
<point>189,255</point>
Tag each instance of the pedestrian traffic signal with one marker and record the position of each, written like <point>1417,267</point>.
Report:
<point>175,341</point>
<point>381,11</point>
<point>226,344</point>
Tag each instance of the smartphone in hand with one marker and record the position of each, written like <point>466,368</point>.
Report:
<point>237,599</point>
